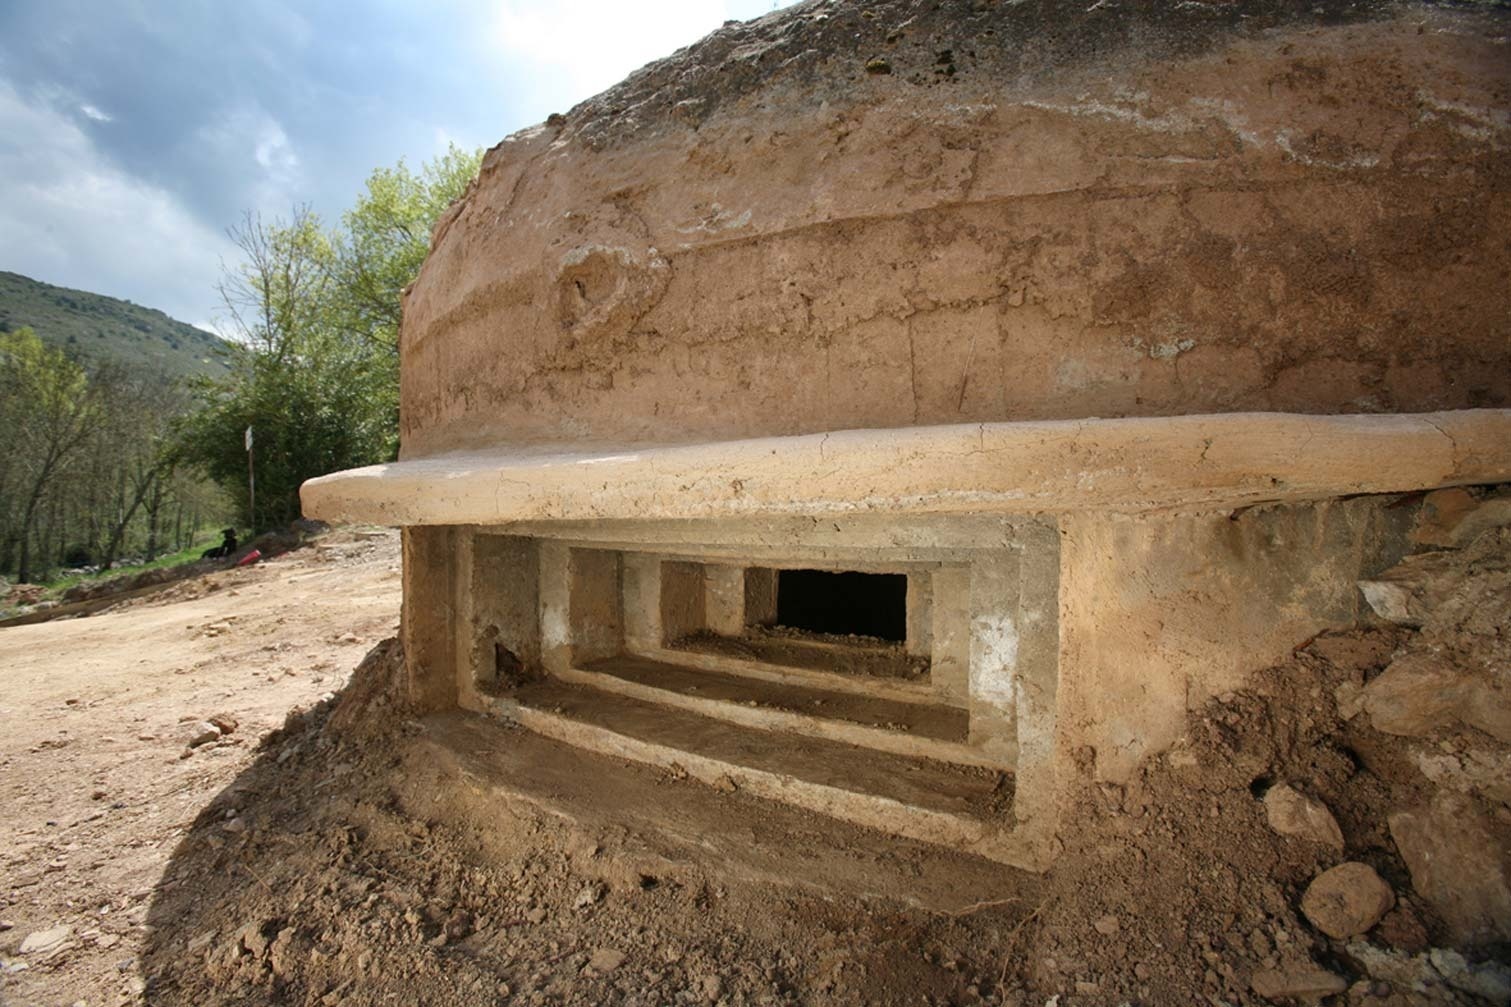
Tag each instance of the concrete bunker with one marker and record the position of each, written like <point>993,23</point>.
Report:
<point>1104,352</point>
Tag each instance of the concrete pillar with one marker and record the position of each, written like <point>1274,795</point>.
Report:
<point>597,620</point>
<point>428,620</point>
<point>994,652</point>
<point>500,610</point>
<point>555,606</point>
<point>724,598</point>
<point>920,614</point>
<point>641,585</point>
<point>760,596</point>
<point>682,600</point>
<point>1037,683</point>
<point>950,613</point>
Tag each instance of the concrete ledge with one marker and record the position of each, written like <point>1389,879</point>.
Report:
<point>767,718</point>
<point>869,810</point>
<point>1083,465</point>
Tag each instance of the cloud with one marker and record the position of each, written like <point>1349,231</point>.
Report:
<point>68,216</point>
<point>565,53</point>
<point>132,134</point>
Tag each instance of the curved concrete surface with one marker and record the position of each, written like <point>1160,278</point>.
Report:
<point>1052,466</point>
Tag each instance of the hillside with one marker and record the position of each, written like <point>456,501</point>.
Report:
<point>106,328</point>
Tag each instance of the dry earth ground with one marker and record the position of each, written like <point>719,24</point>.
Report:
<point>358,854</point>
<point>94,795</point>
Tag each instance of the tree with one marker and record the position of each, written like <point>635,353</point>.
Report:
<point>50,408</point>
<point>138,443</point>
<point>315,314</point>
<point>388,236</point>
<point>313,395</point>
<point>386,239</point>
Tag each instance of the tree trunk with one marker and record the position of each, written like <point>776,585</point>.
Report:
<point>154,507</point>
<point>28,522</point>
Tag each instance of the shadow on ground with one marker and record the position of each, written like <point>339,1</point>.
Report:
<point>368,857</point>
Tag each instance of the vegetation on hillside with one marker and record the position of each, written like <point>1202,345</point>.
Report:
<point>89,470</point>
<point>116,454</point>
<point>107,330</point>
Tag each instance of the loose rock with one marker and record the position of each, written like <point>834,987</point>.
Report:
<point>43,942</point>
<point>1302,983</point>
<point>1456,865</point>
<point>1347,900</point>
<point>200,732</point>
<point>589,895</point>
<point>1488,980</point>
<point>606,960</point>
<point>1292,813</point>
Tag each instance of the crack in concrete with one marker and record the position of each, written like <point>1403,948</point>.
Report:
<point>1452,442</point>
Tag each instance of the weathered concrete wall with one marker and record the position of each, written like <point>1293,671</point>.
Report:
<point>1045,210</point>
<point>428,623</point>
<point>501,608</point>
<point>1161,612</point>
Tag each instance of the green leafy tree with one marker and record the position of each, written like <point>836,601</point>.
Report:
<point>316,316</point>
<point>386,238</point>
<point>50,409</point>
<point>311,394</point>
<point>388,235</point>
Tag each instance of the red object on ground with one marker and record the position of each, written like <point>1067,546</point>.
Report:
<point>250,558</point>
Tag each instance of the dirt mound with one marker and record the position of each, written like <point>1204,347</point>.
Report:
<point>333,872</point>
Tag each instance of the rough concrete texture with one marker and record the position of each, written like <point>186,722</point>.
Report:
<point>909,214</point>
<point>1162,612</point>
<point>1125,465</point>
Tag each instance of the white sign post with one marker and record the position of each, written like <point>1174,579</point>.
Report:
<point>251,488</point>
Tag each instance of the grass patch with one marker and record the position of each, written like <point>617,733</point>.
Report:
<point>186,555</point>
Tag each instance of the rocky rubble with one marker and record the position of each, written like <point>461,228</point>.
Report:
<point>1447,691</point>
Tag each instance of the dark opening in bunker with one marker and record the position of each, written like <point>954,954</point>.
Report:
<point>843,603</point>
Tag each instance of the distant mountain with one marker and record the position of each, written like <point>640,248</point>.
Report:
<point>104,328</point>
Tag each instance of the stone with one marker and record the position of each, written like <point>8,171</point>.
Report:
<point>1408,592</point>
<point>1413,697</point>
<point>41,942</point>
<point>200,732</point>
<point>1421,692</point>
<point>1106,925</point>
<point>1452,518</point>
<point>1488,980</point>
<point>1456,865</point>
<point>1292,813</point>
<point>224,723</point>
<point>1475,768</point>
<point>1349,698</point>
<point>1306,982</point>
<point>590,894</point>
<point>1347,900</point>
<point>606,960</point>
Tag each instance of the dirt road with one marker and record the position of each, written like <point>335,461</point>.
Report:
<point>95,713</point>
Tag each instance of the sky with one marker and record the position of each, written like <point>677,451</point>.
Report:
<point>134,132</point>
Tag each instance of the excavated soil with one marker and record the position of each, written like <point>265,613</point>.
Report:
<point>361,855</point>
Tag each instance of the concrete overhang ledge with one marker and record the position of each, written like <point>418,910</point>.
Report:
<point>1120,465</point>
